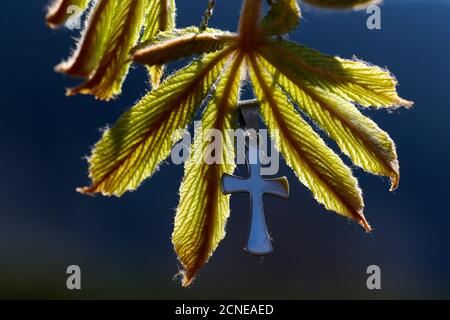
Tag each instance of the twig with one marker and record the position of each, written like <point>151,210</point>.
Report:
<point>207,15</point>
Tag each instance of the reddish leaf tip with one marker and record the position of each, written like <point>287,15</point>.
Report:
<point>90,191</point>
<point>395,181</point>
<point>363,222</point>
<point>187,278</point>
<point>406,103</point>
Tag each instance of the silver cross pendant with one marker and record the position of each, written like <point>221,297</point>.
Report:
<point>259,242</point>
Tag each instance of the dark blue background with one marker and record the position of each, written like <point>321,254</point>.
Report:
<point>123,245</point>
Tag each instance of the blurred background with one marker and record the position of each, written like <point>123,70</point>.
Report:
<point>123,245</point>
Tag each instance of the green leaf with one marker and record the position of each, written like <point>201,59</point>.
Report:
<point>156,72</point>
<point>342,4</point>
<point>92,44</point>
<point>132,150</point>
<point>203,210</point>
<point>171,46</point>
<point>161,17</point>
<point>358,137</point>
<point>352,80</point>
<point>113,29</point>
<point>104,49</point>
<point>315,164</point>
<point>60,10</point>
<point>282,18</point>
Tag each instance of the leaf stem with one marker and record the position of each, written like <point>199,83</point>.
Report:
<point>249,31</point>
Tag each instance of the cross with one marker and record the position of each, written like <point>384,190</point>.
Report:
<point>259,242</point>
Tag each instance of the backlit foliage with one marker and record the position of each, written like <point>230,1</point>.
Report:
<point>286,78</point>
